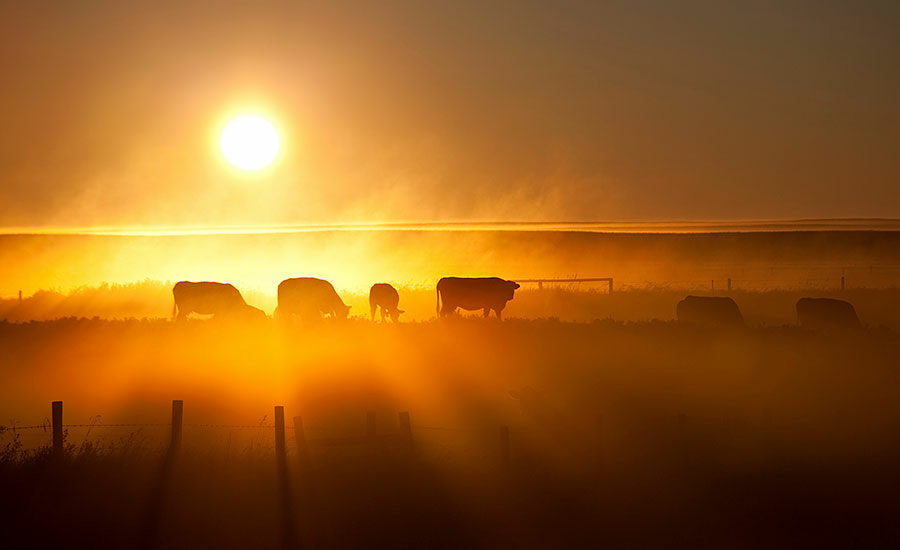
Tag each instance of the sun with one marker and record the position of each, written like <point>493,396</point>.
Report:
<point>249,142</point>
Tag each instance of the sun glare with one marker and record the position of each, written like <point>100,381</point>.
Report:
<point>249,142</point>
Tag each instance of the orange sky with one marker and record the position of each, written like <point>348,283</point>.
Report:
<point>406,111</point>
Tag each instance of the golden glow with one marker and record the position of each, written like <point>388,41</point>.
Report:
<point>250,142</point>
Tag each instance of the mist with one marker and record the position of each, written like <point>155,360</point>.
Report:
<point>409,112</point>
<point>640,262</point>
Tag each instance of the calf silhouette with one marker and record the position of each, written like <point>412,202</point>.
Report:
<point>205,298</point>
<point>309,298</point>
<point>825,313</point>
<point>485,293</point>
<point>709,310</point>
<point>386,297</point>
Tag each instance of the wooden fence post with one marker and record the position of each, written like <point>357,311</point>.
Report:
<point>177,424</point>
<point>504,446</point>
<point>610,285</point>
<point>842,283</point>
<point>406,431</point>
<point>300,441</point>
<point>279,432</point>
<point>729,284</point>
<point>712,284</point>
<point>56,419</point>
<point>288,530</point>
<point>20,297</point>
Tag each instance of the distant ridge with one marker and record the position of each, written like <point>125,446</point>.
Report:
<point>683,226</point>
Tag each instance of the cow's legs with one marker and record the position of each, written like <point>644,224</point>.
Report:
<point>487,312</point>
<point>382,314</point>
<point>308,314</point>
<point>447,309</point>
<point>498,313</point>
<point>282,314</point>
<point>374,307</point>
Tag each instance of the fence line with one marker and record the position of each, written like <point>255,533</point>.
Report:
<point>540,282</point>
<point>137,425</point>
<point>371,438</point>
<point>47,427</point>
<point>839,281</point>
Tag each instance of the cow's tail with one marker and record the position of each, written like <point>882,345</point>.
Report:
<point>437,307</point>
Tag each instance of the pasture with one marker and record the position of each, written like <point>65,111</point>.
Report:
<point>626,433</point>
<point>583,418</point>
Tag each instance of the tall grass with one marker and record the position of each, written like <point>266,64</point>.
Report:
<point>153,299</point>
<point>644,434</point>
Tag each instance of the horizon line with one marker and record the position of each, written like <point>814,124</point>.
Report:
<point>622,226</point>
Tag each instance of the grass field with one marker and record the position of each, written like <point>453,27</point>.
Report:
<point>774,307</point>
<point>626,428</point>
<point>627,433</point>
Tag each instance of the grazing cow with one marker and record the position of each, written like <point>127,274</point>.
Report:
<point>309,298</point>
<point>709,310</point>
<point>485,293</point>
<point>218,299</point>
<point>825,313</point>
<point>385,296</point>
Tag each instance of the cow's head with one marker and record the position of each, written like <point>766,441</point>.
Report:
<point>251,313</point>
<point>342,311</point>
<point>395,314</point>
<point>511,286</point>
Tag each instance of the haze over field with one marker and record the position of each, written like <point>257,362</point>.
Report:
<point>443,274</point>
<point>417,257</point>
<point>433,111</point>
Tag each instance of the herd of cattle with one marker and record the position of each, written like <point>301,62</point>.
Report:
<point>815,313</point>
<point>310,298</point>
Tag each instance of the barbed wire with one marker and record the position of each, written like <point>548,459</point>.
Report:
<point>15,428</point>
<point>48,427</point>
<point>140,425</point>
<point>445,429</point>
<point>235,426</point>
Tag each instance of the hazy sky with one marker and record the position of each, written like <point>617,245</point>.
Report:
<point>450,110</point>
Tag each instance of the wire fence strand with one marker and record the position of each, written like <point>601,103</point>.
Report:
<point>141,425</point>
<point>48,427</point>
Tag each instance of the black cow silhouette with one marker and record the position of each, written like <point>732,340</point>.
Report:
<point>825,313</point>
<point>309,298</point>
<point>386,297</point>
<point>709,310</point>
<point>485,293</point>
<point>218,299</point>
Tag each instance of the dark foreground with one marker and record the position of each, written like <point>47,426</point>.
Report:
<point>624,435</point>
<point>126,500</point>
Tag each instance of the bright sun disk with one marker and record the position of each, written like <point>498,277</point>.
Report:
<point>249,142</point>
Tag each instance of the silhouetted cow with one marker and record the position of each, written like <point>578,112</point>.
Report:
<point>309,298</point>
<point>819,313</point>
<point>386,297</point>
<point>205,298</point>
<point>486,293</point>
<point>709,310</point>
